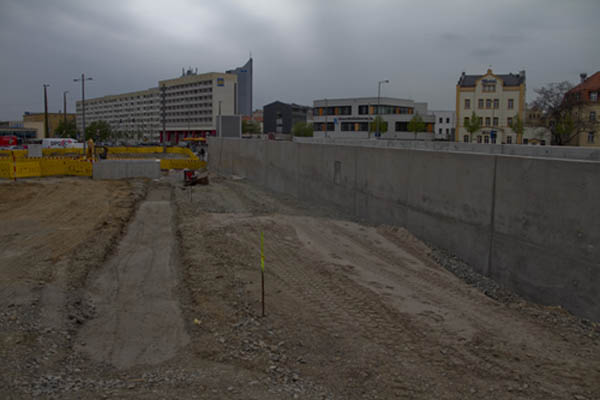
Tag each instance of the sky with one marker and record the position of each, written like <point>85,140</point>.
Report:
<point>302,49</point>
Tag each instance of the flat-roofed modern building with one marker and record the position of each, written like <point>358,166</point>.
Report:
<point>191,104</point>
<point>280,117</point>
<point>496,100</point>
<point>350,117</point>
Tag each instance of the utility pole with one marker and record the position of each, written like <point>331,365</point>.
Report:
<point>46,128</point>
<point>82,80</point>
<point>378,101</point>
<point>65,107</point>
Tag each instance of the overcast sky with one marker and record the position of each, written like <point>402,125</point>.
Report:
<point>302,49</point>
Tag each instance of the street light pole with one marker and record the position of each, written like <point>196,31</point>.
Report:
<point>378,101</point>
<point>82,80</point>
<point>65,107</point>
<point>46,128</point>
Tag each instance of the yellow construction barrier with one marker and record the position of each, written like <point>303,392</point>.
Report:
<point>182,164</point>
<point>37,167</point>
<point>6,169</point>
<point>61,152</point>
<point>19,154</point>
<point>133,150</point>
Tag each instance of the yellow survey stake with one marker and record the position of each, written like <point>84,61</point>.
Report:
<point>262,254</point>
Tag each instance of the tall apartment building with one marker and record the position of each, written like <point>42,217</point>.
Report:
<point>191,104</point>
<point>445,125</point>
<point>351,117</point>
<point>497,100</point>
<point>244,88</point>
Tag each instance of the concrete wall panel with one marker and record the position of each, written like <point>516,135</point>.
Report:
<point>529,223</point>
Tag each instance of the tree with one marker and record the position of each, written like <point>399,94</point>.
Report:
<point>473,125</point>
<point>416,125</point>
<point>561,112</point>
<point>302,129</point>
<point>66,130</point>
<point>98,131</point>
<point>518,127</point>
<point>250,127</point>
<point>383,125</point>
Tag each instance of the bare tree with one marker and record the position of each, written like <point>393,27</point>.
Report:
<point>562,112</point>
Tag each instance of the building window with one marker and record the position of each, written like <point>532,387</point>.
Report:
<point>440,131</point>
<point>447,120</point>
<point>495,121</point>
<point>525,141</point>
<point>441,120</point>
<point>363,109</point>
<point>478,138</point>
<point>509,121</point>
<point>447,131</point>
<point>486,139</point>
<point>509,139</point>
<point>489,87</point>
<point>488,103</point>
<point>487,121</point>
<point>593,96</point>
<point>496,103</point>
<point>480,103</point>
<point>590,137</point>
<point>466,138</point>
<point>511,104</point>
<point>467,104</point>
<point>401,126</point>
<point>466,121</point>
<point>592,116</point>
<point>542,142</point>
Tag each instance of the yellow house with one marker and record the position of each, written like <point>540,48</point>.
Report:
<point>36,121</point>
<point>497,100</point>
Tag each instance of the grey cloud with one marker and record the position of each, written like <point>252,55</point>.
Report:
<point>302,49</point>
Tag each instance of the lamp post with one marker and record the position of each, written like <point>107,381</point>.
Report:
<point>46,128</point>
<point>82,80</point>
<point>65,107</point>
<point>378,101</point>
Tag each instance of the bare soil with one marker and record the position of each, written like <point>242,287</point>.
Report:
<point>107,292</point>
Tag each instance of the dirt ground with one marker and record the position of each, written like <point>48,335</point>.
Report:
<point>151,290</point>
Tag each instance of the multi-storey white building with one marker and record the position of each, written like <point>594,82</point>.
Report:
<point>351,117</point>
<point>190,104</point>
<point>496,100</point>
<point>445,124</point>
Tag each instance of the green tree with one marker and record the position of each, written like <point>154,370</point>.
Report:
<point>302,129</point>
<point>416,124</point>
<point>66,130</point>
<point>518,127</point>
<point>98,131</point>
<point>473,125</point>
<point>250,127</point>
<point>383,125</point>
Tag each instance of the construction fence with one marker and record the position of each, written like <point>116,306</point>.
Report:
<point>15,164</point>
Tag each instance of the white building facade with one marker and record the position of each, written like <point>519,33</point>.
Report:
<point>445,125</point>
<point>190,104</point>
<point>352,117</point>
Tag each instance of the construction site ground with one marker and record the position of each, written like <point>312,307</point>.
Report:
<point>149,289</point>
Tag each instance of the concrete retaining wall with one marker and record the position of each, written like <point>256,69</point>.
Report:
<point>122,169</point>
<point>531,224</point>
<point>567,152</point>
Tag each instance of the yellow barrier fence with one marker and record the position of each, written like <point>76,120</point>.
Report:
<point>182,164</point>
<point>36,167</point>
